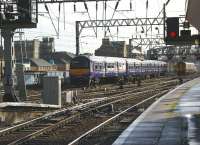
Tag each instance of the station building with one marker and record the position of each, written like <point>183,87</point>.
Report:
<point>112,48</point>
<point>34,48</point>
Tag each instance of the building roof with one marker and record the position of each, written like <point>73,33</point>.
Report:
<point>193,12</point>
<point>62,57</point>
<point>63,54</point>
<point>60,61</point>
<point>112,48</point>
<point>135,51</point>
<point>118,44</point>
<point>39,62</point>
<point>112,45</point>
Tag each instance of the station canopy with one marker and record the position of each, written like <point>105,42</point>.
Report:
<point>193,13</point>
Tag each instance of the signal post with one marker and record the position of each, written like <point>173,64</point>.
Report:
<point>14,15</point>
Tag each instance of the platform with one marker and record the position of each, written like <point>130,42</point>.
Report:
<point>174,119</point>
<point>20,105</point>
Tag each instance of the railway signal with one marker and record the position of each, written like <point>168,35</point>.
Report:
<point>172,30</point>
<point>176,37</point>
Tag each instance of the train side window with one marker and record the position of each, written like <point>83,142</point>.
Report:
<point>100,67</point>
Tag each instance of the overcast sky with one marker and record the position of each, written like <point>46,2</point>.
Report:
<point>89,42</point>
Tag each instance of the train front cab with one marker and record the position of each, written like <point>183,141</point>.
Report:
<point>180,68</point>
<point>80,71</point>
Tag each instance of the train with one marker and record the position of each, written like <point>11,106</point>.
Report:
<point>87,69</point>
<point>185,68</point>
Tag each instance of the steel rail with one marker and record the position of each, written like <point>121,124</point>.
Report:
<point>65,110</point>
<point>115,90</point>
<point>111,120</point>
<point>62,111</point>
<point>72,118</point>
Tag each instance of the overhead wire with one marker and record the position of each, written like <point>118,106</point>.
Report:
<point>59,7</point>
<point>116,6</point>
<point>112,8</point>
<point>50,17</point>
<point>47,9</point>
<point>86,8</point>
<point>121,13</point>
<point>96,16</point>
<point>114,11</point>
<point>64,14</point>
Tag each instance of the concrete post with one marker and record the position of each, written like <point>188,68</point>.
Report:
<point>52,90</point>
<point>21,86</point>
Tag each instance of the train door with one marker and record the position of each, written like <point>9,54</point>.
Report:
<point>134,69</point>
<point>118,67</point>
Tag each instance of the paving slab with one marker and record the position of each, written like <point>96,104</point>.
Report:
<point>174,119</point>
<point>27,105</point>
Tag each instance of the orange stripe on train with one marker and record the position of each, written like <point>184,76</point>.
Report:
<point>78,72</point>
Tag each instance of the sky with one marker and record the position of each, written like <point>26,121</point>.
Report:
<point>88,41</point>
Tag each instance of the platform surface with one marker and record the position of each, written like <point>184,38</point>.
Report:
<point>27,105</point>
<point>174,119</point>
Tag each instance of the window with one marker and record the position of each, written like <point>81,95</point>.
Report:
<point>110,65</point>
<point>80,62</point>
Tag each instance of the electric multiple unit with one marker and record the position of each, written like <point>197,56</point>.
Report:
<point>84,69</point>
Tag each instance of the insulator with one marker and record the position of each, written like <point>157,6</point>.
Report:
<point>74,7</point>
<point>59,7</point>
<point>46,7</point>
<point>85,4</point>
<point>116,6</point>
<point>96,5</point>
<point>131,6</point>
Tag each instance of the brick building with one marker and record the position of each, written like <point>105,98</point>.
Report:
<point>47,47</point>
<point>27,49</point>
<point>112,48</point>
<point>34,48</point>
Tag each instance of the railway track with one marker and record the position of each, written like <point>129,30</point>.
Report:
<point>34,132</point>
<point>82,124</point>
<point>106,132</point>
<point>104,90</point>
<point>109,90</point>
<point>114,89</point>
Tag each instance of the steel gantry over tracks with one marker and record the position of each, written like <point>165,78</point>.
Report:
<point>65,1</point>
<point>135,22</point>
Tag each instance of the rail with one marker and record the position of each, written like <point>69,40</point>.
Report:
<point>49,115</point>
<point>84,108</point>
<point>109,121</point>
<point>72,118</point>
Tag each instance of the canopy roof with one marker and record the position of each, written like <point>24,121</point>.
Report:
<point>193,13</point>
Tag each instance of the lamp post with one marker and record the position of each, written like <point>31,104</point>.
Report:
<point>158,30</point>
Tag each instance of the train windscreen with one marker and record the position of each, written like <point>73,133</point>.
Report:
<point>80,62</point>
